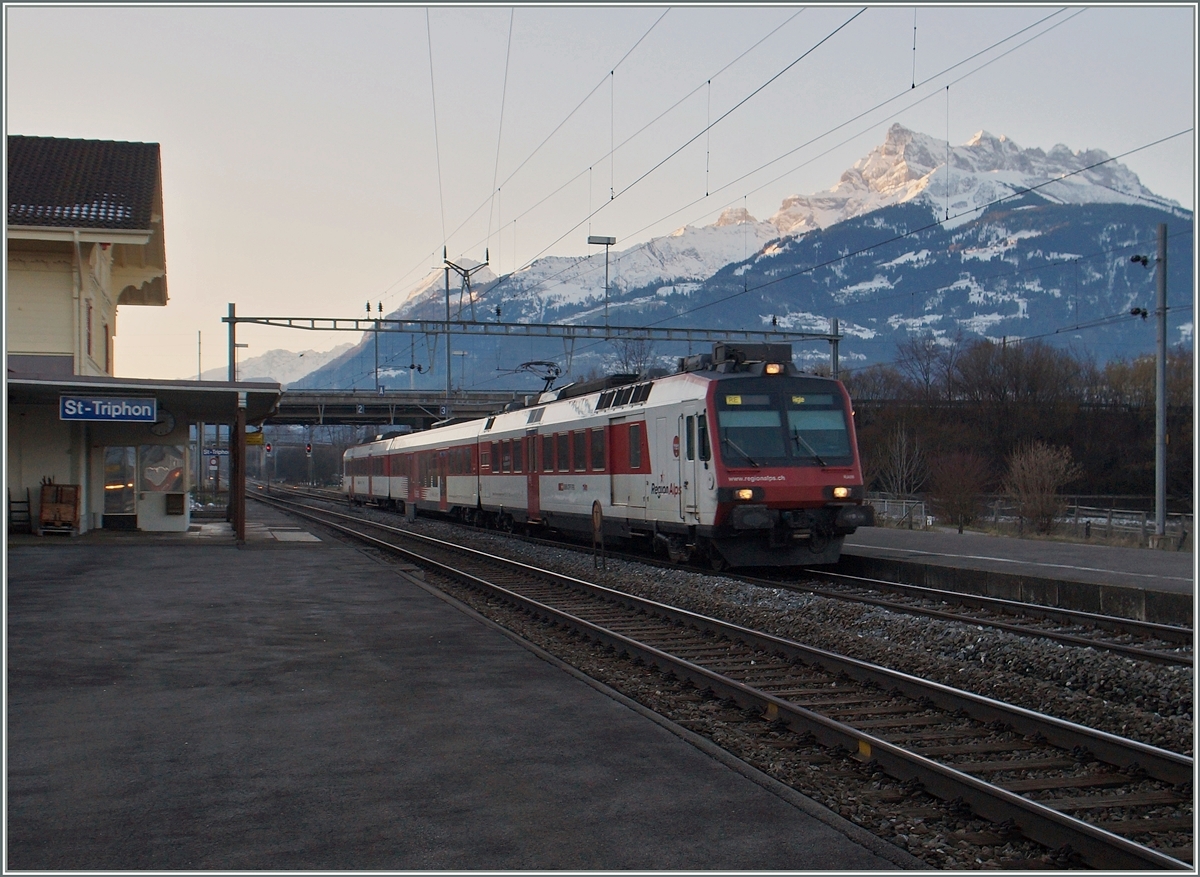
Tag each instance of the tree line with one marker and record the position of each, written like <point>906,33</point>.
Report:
<point>955,421</point>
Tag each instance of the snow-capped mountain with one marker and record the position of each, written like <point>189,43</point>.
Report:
<point>999,241</point>
<point>962,179</point>
<point>279,366</point>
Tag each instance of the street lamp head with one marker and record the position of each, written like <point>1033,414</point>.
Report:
<point>1143,260</point>
<point>601,240</point>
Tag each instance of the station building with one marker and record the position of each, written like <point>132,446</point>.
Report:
<point>84,448</point>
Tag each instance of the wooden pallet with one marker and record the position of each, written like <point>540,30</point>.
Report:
<point>59,510</point>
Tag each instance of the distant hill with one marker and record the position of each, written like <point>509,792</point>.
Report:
<point>282,366</point>
<point>995,242</point>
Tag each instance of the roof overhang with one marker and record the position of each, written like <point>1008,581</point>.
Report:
<point>208,401</point>
<point>136,237</point>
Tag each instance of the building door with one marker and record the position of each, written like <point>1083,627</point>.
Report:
<point>120,488</point>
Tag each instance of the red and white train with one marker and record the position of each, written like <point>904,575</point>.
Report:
<point>738,457</point>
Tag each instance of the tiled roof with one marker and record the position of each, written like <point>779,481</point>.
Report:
<point>107,184</point>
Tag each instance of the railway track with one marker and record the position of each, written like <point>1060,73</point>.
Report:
<point>1140,640</point>
<point>1095,798</point>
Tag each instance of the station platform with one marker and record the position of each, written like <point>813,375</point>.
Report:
<point>1150,585</point>
<point>181,703</point>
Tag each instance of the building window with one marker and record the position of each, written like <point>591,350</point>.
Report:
<point>89,327</point>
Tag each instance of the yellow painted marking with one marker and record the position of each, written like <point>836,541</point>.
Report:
<point>864,748</point>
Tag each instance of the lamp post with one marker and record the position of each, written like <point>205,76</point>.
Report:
<point>607,242</point>
<point>1160,381</point>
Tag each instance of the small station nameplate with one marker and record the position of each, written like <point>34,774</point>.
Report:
<point>108,408</point>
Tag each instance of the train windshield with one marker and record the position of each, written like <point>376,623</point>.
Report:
<point>783,421</point>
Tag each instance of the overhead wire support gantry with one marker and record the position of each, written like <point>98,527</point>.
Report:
<point>568,331</point>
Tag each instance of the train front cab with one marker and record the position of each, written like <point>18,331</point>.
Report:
<point>787,477</point>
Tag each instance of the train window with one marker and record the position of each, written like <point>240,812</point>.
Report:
<point>605,400</point>
<point>690,437</point>
<point>597,450</point>
<point>635,446</point>
<point>642,393</point>
<point>564,456</point>
<point>489,423</point>
<point>535,416</point>
<point>623,395</point>
<point>547,453</point>
<point>579,450</point>
<point>818,433</point>
<point>495,456</point>
<point>485,457</point>
<point>506,456</point>
<point>702,435</point>
<point>517,455</point>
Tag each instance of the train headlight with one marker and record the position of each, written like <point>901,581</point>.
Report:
<point>743,493</point>
<point>841,493</point>
<point>773,368</point>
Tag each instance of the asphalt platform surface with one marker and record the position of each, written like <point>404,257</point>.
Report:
<point>176,702</point>
<point>1158,570</point>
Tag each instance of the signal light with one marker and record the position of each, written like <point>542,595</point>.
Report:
<point>268,447</point>
<point>308,449</point>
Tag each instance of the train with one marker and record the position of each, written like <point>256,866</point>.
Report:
<point>738,459</point>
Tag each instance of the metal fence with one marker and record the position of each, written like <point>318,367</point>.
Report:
<point>896,512</point>
<point>1085,523</point>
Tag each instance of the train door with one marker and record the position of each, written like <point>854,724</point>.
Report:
<point>687,465</point>
<point>443,482</point>
<point>533,479</point>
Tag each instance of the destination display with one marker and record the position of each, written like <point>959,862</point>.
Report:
<point>108,408</point>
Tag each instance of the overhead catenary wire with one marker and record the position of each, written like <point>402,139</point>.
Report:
<point>927,80</point>
<point>1006,53</point>
<point>536,149</point>
<point>436,144</point>
<point>818,137</point>
<point>500,124</point>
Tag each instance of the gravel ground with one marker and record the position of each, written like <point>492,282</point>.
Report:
<point>1147,702</point>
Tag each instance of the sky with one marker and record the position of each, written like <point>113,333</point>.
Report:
<point>317,157</point>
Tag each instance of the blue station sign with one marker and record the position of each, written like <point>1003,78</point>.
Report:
<point>107,408</point>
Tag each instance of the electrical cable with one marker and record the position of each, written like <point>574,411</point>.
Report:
<point>824,134</point>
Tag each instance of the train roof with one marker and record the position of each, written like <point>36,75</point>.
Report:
<point>612,396</point>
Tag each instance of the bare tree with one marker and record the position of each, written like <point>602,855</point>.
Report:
<point>874,382</point>
<point>1036,476</point>
<point>901,464</point>
<point>634,356</point>
<point>921,361</point>
<point>957,482</point>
